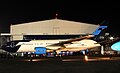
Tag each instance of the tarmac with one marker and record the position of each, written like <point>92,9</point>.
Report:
<point>74,64</point>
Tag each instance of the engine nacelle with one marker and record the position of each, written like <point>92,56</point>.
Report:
<point>40,50</point>
<point>116,46</point>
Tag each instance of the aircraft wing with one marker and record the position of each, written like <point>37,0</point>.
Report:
<point>71,40</point>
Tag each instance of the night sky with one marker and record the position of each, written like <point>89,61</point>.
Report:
<point>18,12</point>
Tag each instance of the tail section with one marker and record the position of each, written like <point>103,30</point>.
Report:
<point>98,30</point>
<point>101,28</point>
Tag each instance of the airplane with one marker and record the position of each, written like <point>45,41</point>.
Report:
<point>43,46</point>
<point>116,46</point>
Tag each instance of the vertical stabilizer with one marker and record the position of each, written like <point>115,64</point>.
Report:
<point>98,30</point>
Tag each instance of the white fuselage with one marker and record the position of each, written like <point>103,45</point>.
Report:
<point>30,46</point>
<point>75,46</point>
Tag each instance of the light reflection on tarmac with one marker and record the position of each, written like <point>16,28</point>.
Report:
<point>35,60</point>
<point>93,59</point>
<point>72,59</point>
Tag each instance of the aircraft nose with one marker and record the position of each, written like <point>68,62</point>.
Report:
<point>10,49</point>
<point>116,46</point>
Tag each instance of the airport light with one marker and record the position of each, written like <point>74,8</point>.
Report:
<point>111,38</point>
<point>86,58</point>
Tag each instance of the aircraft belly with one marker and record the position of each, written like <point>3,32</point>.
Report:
<point>76,48</point>
<point>53,47</point>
